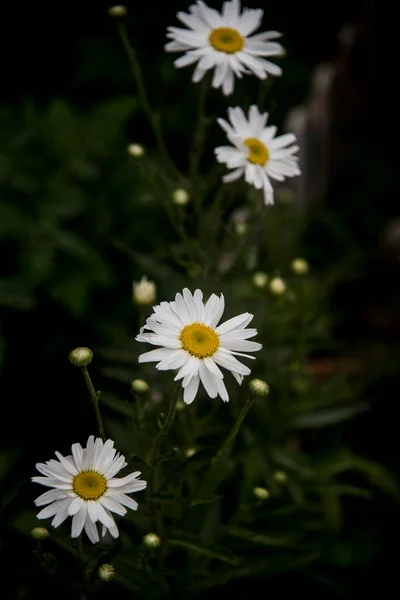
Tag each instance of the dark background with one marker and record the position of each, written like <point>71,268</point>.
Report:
<point>71,51</point>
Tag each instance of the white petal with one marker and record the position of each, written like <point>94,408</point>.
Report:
<point>244,345</point>
<point>213,368</point>
<point>191,390</point>
<point>62,513</point>
<point>208,380</point>
<point>75,506</point>
<point>77,453</point>
<point>50,496</point>
<point>126,501</point>
<point>191,367</point>
<point>236,174</point>
<point>232,323</point>
<point>78,521</point>
<point>155,355</point>
<point>226,360</point>
<point>174,361</point>
<point>113,505</point>
<point>222,391</point>
<point>91,531</point>
<point>92,508</point>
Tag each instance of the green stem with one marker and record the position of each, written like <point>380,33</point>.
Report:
<point>143,97</point>
<point>94,396</point>
<point>156,452</point>
<point>85,575</point>
<point>234,431</point>
<point>198,144</point>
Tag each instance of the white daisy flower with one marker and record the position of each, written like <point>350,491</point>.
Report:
<point>257,153</point>
<point>221,41</point>
<point>86,489</point>
<point>191,342</point>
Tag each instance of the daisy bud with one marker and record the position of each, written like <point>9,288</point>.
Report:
<point>40,533</point>
<point>180,405</point>
<point>261,493</point>
<point>260,279</point>
<point>106,572</point>
<point>277,286</point>
<point>190,452</point>
<point>280,476</point>
<point>241,228</point>
<point>151,540</point>
<point>258,387</point>
<point>81,357</point>
<point>144,292</point>
<point>135,150</point>
<point>300,266</point>
<point>180,197</point>
<point>140,386</point>
<point>117,12</point>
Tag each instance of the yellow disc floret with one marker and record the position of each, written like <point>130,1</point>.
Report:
<point>199,340</point>
<point>258,153</point>
<point>89,485</point>
<point>225,39</point>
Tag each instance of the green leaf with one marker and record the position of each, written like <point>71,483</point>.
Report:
<point>328,416</point>
<point>284,540</point>
<point>210,552</point>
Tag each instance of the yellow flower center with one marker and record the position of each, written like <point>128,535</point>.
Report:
<point>226,40</point>
<point>89,485</point>
<point>258,153</point>
<point>199,340</point>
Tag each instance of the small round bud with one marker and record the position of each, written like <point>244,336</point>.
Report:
<point>40,533</point>
<point>106,572</point>
<point>277,286</point>
<point>260,279</point>
<point>180,197</point>
<point>280,476</point>
<point>300,266</point>
<point>261,493</point>
<point>144,292</point>
<point>259,387</point>
<point>190,452</point>
<point>118,12</point>
<point>81,357</point>
<point>151,540</point>
<point>135,150</point>
<point>180,405</point>
<point>241,228</point>
<point>140,386</point>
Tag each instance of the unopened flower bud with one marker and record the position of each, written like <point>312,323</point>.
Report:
<point>106,572</point>
<point>300,266</point>
<point>259,387</point>
<point>81,357</point>
<point>117,12</point>
<point>277,286</point>
<point>241,228</point>
<point>135,150</point>
<point>151,540</point>
<point>40,533</point>
<point>180,197</point>
<point>140,386</point>
<point>280,476</point>
<point>144,292</point>
<point>180,405</point>
<point>260,279</point>
<point>261,493</point>
<point>190,452</point>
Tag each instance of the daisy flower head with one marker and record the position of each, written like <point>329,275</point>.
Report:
<point>256,152</point>
<point>86,489</point>
<point>221,41</point>
<point>192,342</point>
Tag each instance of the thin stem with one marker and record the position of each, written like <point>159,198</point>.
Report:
<point>234,431</point>
<point>156,453</point>
<point>85,575</point>
<point>94,396</point>
<point>143,97</point>
<point>197,147</point>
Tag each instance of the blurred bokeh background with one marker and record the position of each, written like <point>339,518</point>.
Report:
<point>78,225</point>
